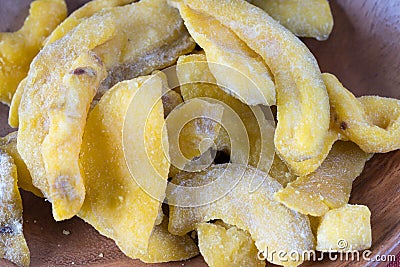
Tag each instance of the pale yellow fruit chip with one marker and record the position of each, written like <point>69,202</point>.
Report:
<point>305,18</point>
<point>9,145</point>
<point>13,246</point>
<point>371,122</point>
<point>17,49</point>
<point>115,204</point>
<point>222,247</point>
<point>330,185</point>
<point>192,129</point>
<point>237,69</point>
<point>302,100</point>
<point>345,228</point>
<point>246,134</point>
<point>224,192</point>
<point>61,83</point>
<point>165,247</point>
<point>84,12</point>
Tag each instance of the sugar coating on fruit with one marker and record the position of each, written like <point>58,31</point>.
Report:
<point>227,188</point>
<point>345,228</point>
<point>330,185</point>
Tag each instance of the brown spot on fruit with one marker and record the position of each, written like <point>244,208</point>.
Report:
<point>343,125</point>
<point>79,71</point>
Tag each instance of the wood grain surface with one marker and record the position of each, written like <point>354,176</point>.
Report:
<point>363,51</point>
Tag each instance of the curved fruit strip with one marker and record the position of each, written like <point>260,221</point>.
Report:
<point>13,246</point>
<point>166,247</point>
<point>151,35</point>
<point>197,81</point>
<point>66,118</point>
<point>302,100</point>
<point>17,49</point>
<point>305,18</point>
<point>237,68</point>
<point>84,12</point>
<point>9,144</point>
<point>372,122</point>
<point>270,224</point>
<point>111,189</point>
<point>330,185</point>
<point>61,83</point>
<point>222,246</point>
<point>13,117</point>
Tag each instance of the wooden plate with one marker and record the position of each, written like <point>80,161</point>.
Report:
<point>363,51</point>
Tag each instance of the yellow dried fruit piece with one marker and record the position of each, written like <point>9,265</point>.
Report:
<point>226,191</point>
<point>330,185</point>
<point>17,49</point>
<point>244,128</point>
<point>226,247</point>
<point>61,146</point>
<point>192,129</point>
<point>9,145</point>
<point>165,247</point>
<point>237,69</point>
<point>302,100</point>
<point>115,204</point>
<point>61,83</point>
<point>13,246</point>
<point>171,100</point>
<point>372,122</point>
<point>305,18</point>
<point>84,12</point>
<point>151,36</point>
<point>345,228</point>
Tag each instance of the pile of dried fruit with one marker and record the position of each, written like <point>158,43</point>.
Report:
<point>102,135</point>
